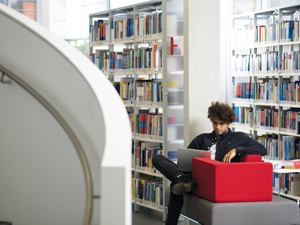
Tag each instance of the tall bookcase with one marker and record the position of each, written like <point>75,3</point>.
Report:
<point>265,89</point>
<point>145,41</point>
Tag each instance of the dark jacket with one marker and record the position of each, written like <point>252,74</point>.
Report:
<point>244,144</point>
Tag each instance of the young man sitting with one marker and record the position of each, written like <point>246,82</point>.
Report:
<point>225,146</point>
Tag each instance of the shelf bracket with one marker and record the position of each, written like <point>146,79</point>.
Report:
<point>4,81</point>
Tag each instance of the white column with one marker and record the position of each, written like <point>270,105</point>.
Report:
<point>202,64</point>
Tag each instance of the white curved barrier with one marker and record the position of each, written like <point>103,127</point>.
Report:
<point>88,131</point>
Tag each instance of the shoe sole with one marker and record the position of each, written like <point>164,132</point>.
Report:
<point>181,188</point>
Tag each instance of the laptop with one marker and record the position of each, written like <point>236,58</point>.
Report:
<point>185,156</point>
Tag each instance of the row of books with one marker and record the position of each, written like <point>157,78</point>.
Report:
<point>122,28</point>
<point>289,92</point>
<point>286,149</point>
<point>287,183</point>
<point>288,31</point>
<point>148,191</point>
<point>255,34</point>
<point>268,92</point>
<point>148,23</point>
<point>244,116</point>
<point>267,62</point>
<point>257,92</point>
<point>271,144</point>
<point>125,88</point>
<point>147,125</point>
<point>119,28</point>
<point>144,153</point>
<point>148,92</point>
<point>129,59</point>
<point>269,119</point>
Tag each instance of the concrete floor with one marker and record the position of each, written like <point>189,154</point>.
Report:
<point>147,216</point>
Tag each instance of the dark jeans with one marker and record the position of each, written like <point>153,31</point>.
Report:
<point>170,171</point>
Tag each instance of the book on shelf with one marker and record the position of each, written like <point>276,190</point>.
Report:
<point>29,9</point>
<point>291,164</point>
<point>127,88</point>
<point>144,154</point>
<point>148,24</point>
<point>148,191</point>
<point>271,144</point>
<point>99,32</point>
<point>149,91</point>
<point>294,181</point>
<point>258,92</point>
<point>147,125</point>
<point>244,116</point>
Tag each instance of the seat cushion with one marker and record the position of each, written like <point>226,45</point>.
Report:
<point>233,182</point>
<point>279,211</point>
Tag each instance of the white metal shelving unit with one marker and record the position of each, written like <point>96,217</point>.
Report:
<point>264,17</point>
<point>172,70</point>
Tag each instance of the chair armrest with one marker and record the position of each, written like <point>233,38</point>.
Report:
<point>251,158</point>
<point>233,182</point>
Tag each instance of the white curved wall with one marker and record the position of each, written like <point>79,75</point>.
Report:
<point>91,107</point>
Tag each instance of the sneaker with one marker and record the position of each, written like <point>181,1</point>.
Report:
<point>183,184</point>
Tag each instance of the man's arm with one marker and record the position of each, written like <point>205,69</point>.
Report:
<point>248,147</point>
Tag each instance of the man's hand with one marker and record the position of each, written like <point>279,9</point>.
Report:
<point>227,158</point>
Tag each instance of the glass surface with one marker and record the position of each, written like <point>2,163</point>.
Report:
<point>3,2</point>
<point>23,4</point>
<point>174,19</point>
<point>245,6</point>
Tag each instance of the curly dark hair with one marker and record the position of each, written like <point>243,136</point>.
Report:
<point>221,111</point>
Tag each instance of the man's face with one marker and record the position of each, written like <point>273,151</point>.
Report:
<point>219,126</point>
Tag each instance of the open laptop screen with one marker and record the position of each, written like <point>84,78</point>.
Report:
<point>185,156</point>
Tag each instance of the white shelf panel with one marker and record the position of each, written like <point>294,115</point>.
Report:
<point>132,73</point>
<point>241,47</point>
<point>147,206</point>
<point>290,134</point>
<point>241,127</point>
<point>149,106</point>
<point>98,45</point>
<point>148,72</point>
<point>290,43</point>
<point>287,196</point>
<point>149,173</point>
<point>290,105</point>
<point>267,131</point>
<point>129,105</point>
<point>266,75</point>
<point>240,75</point>
<point>265,45</point>
<point>265,104</point>
<point>286,171</point>
<point>148,139</point>
<point>146,39</point>
<point>248,46</point>
<point>122,73</point>
<point>289,74</point>
<point>242,103</point>
<point>122,42</point>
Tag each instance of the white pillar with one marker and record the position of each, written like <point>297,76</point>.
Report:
<point>202,64</point>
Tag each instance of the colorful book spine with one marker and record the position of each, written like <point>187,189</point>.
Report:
<point>99,32</point>
<point>147,125</point>
<point>148,24</point>
<point>148,191</point>
<point>271,144</point>
<point>244,116</point>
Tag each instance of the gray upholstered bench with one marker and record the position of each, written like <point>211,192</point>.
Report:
<point>279,211</point>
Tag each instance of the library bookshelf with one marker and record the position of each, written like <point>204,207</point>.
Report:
<point>265,82</point>
<point>140,49</point>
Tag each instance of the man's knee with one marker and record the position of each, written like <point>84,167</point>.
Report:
<point>156,159</point>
